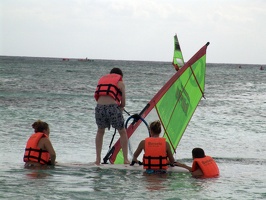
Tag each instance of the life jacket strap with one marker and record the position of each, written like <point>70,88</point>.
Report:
<point>150,158</point>
<point>37,158</point>
<point>108,90</point>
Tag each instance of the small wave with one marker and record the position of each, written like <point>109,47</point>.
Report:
<point>241,160</point>
<point>69,70</point>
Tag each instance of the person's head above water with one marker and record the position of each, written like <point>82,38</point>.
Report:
<point>198,153</point>
<point>40,126</point>
<point>155,127</point>
<point>116,71</point>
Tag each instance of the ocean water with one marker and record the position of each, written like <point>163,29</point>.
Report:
<point>230,125</point>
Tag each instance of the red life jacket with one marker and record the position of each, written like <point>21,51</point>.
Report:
<point>207,165</point>
<point>108,85</point>
<point>155,156</point>
<point>33,152</point>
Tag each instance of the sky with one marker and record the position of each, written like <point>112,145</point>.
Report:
<point>134,29</point>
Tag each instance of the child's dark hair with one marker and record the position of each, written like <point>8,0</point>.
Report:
<point>198,153</point>
<point>156,127</point>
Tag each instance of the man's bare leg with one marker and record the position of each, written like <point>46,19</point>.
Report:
<point>99,144</point>
<point>124,144</point>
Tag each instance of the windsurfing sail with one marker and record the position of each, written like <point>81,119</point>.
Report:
<point>174,103</point>
<point>178,60</point>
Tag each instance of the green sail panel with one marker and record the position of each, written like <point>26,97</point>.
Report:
<point>175,102</point>
<point>179,103</point>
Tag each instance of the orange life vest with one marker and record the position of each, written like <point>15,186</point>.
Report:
<point>33,152</point>
<point>108,85</point>
<point>207,165</point>
<point>155,156</point>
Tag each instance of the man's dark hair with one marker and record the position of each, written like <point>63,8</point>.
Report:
<point>116,71</point>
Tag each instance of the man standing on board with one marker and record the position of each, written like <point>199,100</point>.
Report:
<point>111,100</point>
